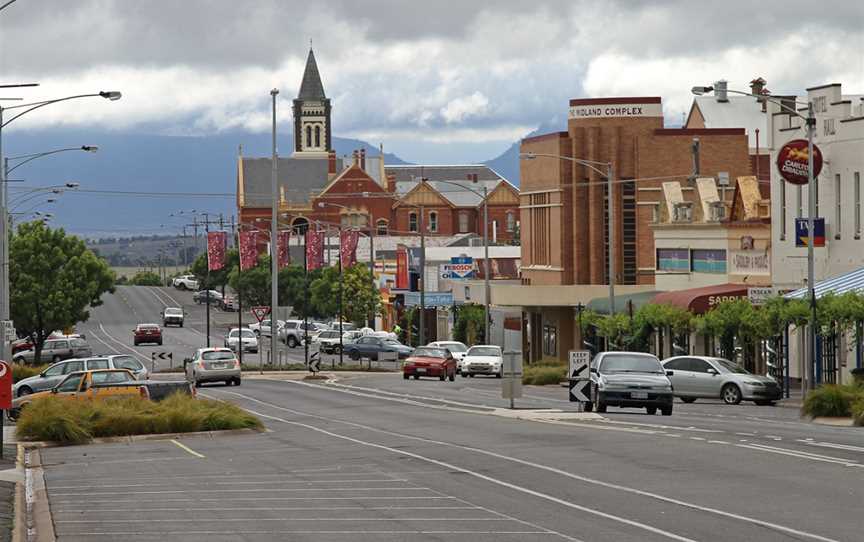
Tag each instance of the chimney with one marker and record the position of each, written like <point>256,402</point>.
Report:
<point>331,163</point>
<point>363,159</point>
<point>757,86</point>
<point>391,183</point>
<point>720,91</point>
<point>356,157</point>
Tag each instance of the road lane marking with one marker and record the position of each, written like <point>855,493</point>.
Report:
<point>267,509</point>
<point>281,532</point>
<point>233,483</point>
<point>801,454</point>
<point>88,507</point>
<point>221,490</point>
<point>256,519</point>
<point>846,447</point>
<point>663,498</point>
<point>188,449</point>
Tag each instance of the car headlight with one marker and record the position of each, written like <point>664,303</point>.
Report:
<point>665,387</point>
<point>754,383</point>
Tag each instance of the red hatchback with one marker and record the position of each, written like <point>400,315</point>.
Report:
<point>427,361</point>
<point>147,333</point>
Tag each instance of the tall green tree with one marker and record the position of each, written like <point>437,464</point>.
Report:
<point>360,296</point>
<point>324,292</point>
<point>53,280</point>
<point>215,279</point>
<point>468,325</point>
<point>253,284</point>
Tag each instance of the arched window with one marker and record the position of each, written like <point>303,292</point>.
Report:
<point>308,136</point>
<point>433,221</point>
<point>317,136</point>
<point>412,222</point>
<point>510,221</point>
<point>381,227</point>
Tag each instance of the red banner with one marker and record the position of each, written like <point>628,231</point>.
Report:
<point>248,249</point>
<point>216,242</point>
<point>348,247</point>
<point>314,249</point>
<point>284,250</point>
<point>402,282</point>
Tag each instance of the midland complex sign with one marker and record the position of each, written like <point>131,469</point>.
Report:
<point>622,110</point>
<point>793,161</point>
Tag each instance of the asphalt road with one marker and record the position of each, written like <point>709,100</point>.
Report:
<point>387,459</point>
<point>109,329</point>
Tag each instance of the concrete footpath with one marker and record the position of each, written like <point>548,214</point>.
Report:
<point>10,474</point>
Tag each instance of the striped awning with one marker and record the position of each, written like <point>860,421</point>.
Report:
<point>849,282</point>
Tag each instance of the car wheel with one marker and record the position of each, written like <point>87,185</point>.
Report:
<point>652,410</point>
<point>688,399</point>
<point>588,406</point>
<point>471,375</point>
<point>180,325</point>
<point>160,342</point>
<point>24,390</point>
<point>292,342</point>
<point>600,406</point>
<point>405,376</point>
<point>666,411</point>
<point>441,378</point>
<point>229,382</point>
<point>416,377</point>
<point>354,355</point>
<point>464,375</point>
<point>452,376</point>
<point>499,374</point>
<point>730,394</point>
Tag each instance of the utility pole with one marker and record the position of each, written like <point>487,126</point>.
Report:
<point>810,373</point>
<point>274,241</point>
<point>372,268</point>
<point>422,330</point>
<point>207,286</point>
<point>486,266</point>
<point>611,203</point>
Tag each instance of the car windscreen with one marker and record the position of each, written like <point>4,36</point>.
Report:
<point>210,356</point>
<point>430,352</point>
<point>729,367</point>
<point>624,363</point>
<point>483,351</point>
<point>173,312</point>
<point>455,347</point>
<point>124,362</point>
<point>329,335</point>
<point>247,334</point>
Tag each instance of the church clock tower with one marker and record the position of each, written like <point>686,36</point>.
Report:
<point>311,115</point>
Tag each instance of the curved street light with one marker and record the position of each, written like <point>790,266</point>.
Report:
<point>30,157</point>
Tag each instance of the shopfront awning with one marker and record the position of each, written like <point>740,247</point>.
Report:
<point>701,300</point>
<point>849,282</point>
<point>601,304</point>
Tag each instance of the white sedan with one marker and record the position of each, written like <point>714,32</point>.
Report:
<point>456,348</point>
<point>483,360</point>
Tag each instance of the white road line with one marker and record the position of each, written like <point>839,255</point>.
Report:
<point>187,449</point>
<point>89,503</point>
<point>234,483</point>
<point>801,454</point>
<point>281,533</point>
<point>129,348</point>
<point>139,509</point>
<point>222,490</point>
<point>634,491</point>
<point>256,520</point>
<point>835,446</point>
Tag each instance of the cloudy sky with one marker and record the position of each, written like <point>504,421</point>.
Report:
<point>442,81</point>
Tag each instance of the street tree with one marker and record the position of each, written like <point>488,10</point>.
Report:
<point>54,279</point>
<point>360,296</point>
<point>253,285</point>
<point>214,279</point>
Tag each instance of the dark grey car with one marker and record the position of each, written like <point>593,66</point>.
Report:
<point>373,348</point>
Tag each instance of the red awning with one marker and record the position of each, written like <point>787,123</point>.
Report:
<point>701,300</point>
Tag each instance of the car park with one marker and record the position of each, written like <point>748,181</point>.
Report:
<point>377,348</point>
<point>483,359</point>
<point>213,365</point>
<point>328,341</point>
<point>147,333</point>
<point>185,282</point>
<point>243,336</point>
<point>631,380</point>
<point>201,297</point>
<point>172,316</point>
<point>291,332</point>
<point>428,361</point>
<point>705,377</point>
<point>459,350</point>
<point>54,350</point>
<point>262,328</point>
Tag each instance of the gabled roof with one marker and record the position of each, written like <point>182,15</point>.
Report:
<point>420,186</point>
<point>298,178</point>
<point>408,178</point>
<point>355,173</point>
<point>311,88</point>
<point>739,112</point>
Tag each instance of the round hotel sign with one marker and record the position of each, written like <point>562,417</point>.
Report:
<point>793,158</point>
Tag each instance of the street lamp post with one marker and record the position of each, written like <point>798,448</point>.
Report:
<point>4,213</point>
<point>274,241</point>
<point>610,182</point>
<point>720,88</point>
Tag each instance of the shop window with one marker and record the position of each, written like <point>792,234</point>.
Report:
<point>550,340</point>
<point>708,261</point>
<point>673,259</point>
<point>433,222</point>
<point>510,221</point>
<point>381,227</point>
<point>412,223</point>
<point>463,222</point>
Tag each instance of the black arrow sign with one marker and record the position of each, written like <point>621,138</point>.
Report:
<point>578,371</point>
<point>161,355</point>
<point>314,362</point>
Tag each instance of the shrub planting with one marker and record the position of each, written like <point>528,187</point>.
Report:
<point>21,371</point>
<point>831,401</point>
<point>544,374</point>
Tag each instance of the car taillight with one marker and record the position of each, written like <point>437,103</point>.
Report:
<point>142,390</point>
<point>236,363</point>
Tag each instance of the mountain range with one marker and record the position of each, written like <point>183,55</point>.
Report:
<point>135,182</point>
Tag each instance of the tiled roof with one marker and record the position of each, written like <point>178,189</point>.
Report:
<point>311,88</point>
<point>407,177</point>
<point>849,282</point>
<point>300,177</point>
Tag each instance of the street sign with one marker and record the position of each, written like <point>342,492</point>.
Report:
<point>759,295</point>
<point>315,362</point>
<point>793,161</point>
<point>580,391</point>
<point>8,330</point>
<point>430,299</point>
<point>5,386</point>
<point>260,313</point>
<point>579,361</point>
<point>161,355</point>
<point>511,383</point>
<point>802,226</point>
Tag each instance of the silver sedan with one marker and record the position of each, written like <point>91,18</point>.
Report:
<point>698,377</point>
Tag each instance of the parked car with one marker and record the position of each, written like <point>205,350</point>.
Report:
<point>459,350</point>
<point>55,350</point>
<point>241,336</point>
<point>632,380</point>
<point>213,365</point>
<point>262,328</point>
<point>200,297</point>
<point>428,361</point>
<point>185,282</point>
<point>292,332</point>
<point>147,333</point>
<point>48,378</point>
<point>230,303</point>
<point>346,326</point>
<point>172,316</point>
<point>373,347</point>
<point>703,377</point>
<point>483,359</point>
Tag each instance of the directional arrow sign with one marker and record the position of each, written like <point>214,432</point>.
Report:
<point>580,390</point>
<point>161,355</point>
<point>579,360</point>
<point>314,362</point>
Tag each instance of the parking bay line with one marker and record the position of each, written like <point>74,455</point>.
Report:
<point>273,509</point>
<point>235,483</point>
<point>684,504</point>
<point>256,519</point>
<point>89,503</point>
<point>188,449</point>
<point>222,490</point>
<point>281,533</point>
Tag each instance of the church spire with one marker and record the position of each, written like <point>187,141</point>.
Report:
<point>311,88</point>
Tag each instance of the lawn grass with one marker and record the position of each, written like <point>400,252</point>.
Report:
<point>77,422</point>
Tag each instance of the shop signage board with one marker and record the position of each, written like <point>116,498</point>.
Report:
<point>759,295</point>
<point>793,160</point>
<point>431,299</point>
<point>749,262</point>
<point>617,110</point>
<point>801,230</point>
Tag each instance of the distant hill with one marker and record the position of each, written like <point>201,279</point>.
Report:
<point>507,163</point>
<point>150,165</point>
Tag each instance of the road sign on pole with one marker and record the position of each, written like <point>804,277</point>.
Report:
<point>260,313</point>
<point>579,360</point>
<point>315,362</point>
<point>580,391</point>
<point>511,383</point>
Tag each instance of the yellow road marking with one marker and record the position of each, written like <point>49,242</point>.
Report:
<point>188,449</point>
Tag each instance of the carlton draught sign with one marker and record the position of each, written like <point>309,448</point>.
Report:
<point>793,160</point>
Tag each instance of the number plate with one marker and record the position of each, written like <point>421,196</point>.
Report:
<point>421,369</point>
<point>639,395</point>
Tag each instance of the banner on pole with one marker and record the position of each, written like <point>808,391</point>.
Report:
<point>402,282</point>
<point>248,249</point>
<point>314,249</point>
<point>216,241</point>
<point>348,240</point>
<point>284,244</point>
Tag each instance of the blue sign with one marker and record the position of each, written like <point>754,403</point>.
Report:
<point>801,227</point>
<point>462,259</point>
<point>432,299</point>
